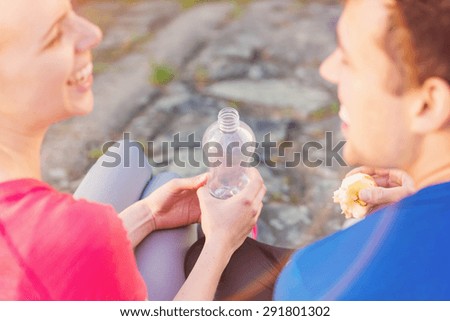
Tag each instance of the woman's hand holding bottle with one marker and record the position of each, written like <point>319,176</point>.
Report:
<point>175,204</point>
<point>229,221</point>
<point>226,223</point>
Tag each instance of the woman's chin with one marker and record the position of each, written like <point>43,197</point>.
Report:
<point>82,107</point>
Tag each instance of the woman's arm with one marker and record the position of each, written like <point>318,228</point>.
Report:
<point>138,221</point>
<point>226,223</point>
<point>174,204</point>
<point>202,282</point>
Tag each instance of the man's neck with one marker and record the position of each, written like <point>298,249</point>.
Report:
<point>433,162</point>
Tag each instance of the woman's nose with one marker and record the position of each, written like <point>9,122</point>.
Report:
<point>89,35</point>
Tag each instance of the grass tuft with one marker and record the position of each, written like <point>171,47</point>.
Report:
<point>161,74</point>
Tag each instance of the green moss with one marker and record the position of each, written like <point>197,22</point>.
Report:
<point>95,153</point>
<point>161,74</point>
<point>187,4</point>
<point>334,107</point>
<point>325,112</point>
<point>234,104</point>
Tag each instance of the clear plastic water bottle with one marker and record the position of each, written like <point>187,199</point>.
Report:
<point>223,143</point>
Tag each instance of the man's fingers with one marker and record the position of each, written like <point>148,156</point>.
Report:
<point>362,169</point>
<point>381,195</point>
<point>401,178</point>
<point>382,181</point>
<point>386,177</point>
<point>369,171</point>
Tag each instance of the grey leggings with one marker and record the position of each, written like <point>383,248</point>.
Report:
<point>160,255</point>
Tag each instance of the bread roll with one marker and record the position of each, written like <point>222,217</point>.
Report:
<point>348,195</point>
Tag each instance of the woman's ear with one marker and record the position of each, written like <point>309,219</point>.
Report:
<point>432,111</point>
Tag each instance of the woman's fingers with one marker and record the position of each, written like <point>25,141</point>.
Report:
<point>190,183</point>
<point>254,185</point>
<point>258,213</point>
<point>259,197</point>
<point>202,192</point>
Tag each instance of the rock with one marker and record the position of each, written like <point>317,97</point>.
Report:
<point>127,27</point>
<point>276,185</point>
<point>256,73</point>
<point>223,69</point>
<point>265,234</point>
<point>58,174</point>
<point>243,47</point>
<point>168,103</point>
<point>283,223</point>
<point>262,127</point>
<point>284,94</point>
<point>310,76</point>
<point>306,40</point>
<point>176,43</point>
<point>140,19</point>
<point>184,113</point>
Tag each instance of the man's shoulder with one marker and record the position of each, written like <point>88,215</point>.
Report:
<point>412,230</point>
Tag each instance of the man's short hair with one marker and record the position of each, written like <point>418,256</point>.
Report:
<point>417,40</point>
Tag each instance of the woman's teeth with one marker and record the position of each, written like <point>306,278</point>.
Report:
<point>82,75</point>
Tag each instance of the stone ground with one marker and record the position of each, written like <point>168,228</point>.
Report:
<point>261,57</point>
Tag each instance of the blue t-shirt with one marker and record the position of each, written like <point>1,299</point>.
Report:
<point>401,252</point>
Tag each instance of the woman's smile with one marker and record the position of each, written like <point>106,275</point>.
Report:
<point>83,78</point>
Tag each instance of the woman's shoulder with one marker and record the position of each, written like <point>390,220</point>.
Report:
<point>30,199</point>
<point>31,209</point>
<point>38,217</point>
<point>79,241</point>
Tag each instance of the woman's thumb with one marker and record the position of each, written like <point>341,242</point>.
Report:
<point>192,182</point>
<point>202,192</point>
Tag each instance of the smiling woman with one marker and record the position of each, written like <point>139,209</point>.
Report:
<point>45,77</point>
<point>51,55</point>
<point>45,53</point>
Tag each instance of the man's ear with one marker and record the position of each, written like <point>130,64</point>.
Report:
<point>432,109</point>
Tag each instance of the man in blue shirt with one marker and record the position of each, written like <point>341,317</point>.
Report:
<point>392,70</point>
